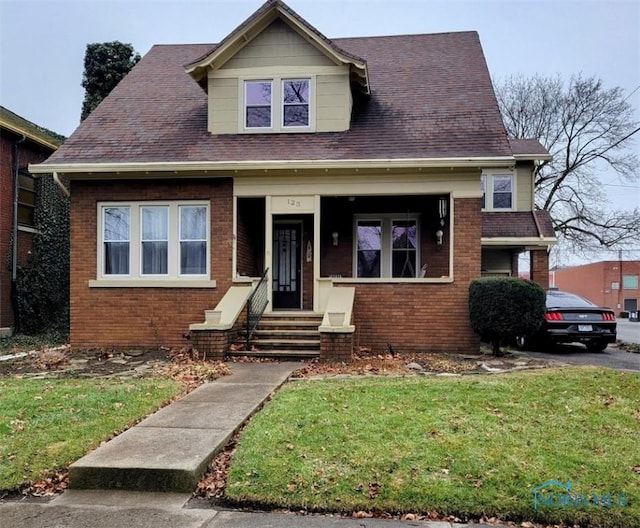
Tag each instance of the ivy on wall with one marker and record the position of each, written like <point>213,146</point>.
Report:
<point>43,282</point>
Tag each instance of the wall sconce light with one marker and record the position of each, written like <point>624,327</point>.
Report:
<point>334,238</point>
<point>439,235</point>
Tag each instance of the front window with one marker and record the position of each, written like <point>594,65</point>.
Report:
<point>155,240</point>
<point>152,240</point>
<point>369,234</point>
<point>387,247</point>
<point>258,104</point>
<point>193,240</point>
<point>295,103</point>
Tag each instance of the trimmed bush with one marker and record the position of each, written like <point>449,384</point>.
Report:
<point>500,309</point>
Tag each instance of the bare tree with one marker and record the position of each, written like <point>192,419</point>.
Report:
<point>588,129</point>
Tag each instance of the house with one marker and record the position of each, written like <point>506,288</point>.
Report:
<point>21,143</point>
<point>611,283</point>
<point>369,180</point>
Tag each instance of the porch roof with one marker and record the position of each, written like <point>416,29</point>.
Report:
<point>431,98</point>
<point>517,224</point>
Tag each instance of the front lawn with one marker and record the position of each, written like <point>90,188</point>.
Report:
<point>47,424</point>
<point>467,446</point>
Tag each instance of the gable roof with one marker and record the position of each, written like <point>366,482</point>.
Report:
<point>255,24</point>
<point>431,102</point>
<point>19,125</point>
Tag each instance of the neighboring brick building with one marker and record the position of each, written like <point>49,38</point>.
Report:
<point>378,166</point>
<point>21,143</point>
<point>610,283</point>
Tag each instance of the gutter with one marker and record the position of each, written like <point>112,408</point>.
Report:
<point>59,183</point>
<point>263,165</point>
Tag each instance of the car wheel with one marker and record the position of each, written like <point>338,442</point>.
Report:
<point>596,345</point>
<point>522,343</point>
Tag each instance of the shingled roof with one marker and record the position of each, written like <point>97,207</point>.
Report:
<point>431,98</point>
<point>517,224</point>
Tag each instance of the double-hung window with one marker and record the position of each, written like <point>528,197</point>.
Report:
<point>497,191</point>
<point>258,111</point>
<point>159,240</point>
<point>277,105</point>
<point>387,246</point>
<point>295,103</point>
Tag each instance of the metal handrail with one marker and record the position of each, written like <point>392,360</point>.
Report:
<point>256,305</point>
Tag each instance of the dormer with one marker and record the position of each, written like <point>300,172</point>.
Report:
<point>276,73</point>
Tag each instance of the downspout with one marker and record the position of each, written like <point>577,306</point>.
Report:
<point>14,248</point>
<point>59,183</point>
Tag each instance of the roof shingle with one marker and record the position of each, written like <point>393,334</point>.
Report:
<point>516,224</point>
<point>431,97</point>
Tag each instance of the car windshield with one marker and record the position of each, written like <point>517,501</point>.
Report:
<point>557,299</point>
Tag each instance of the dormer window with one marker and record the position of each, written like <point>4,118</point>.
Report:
<point>258,104</point>
<point>278,105</point>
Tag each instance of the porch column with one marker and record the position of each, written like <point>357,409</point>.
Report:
<point>539,265</point>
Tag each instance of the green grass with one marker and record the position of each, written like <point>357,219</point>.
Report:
<point>465,446</point>
<point>47,424</point>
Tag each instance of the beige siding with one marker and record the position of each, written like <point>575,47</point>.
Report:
<point>524,186</point>
<point>223,106</point>
<point>333,103</point>
<point>278,45</point>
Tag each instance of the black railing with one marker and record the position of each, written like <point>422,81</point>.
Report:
<point>256,305</point>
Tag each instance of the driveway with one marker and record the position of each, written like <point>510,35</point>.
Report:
<point>578,355</point>
<point>628,332</point>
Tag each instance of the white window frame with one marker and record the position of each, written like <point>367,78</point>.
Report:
<point>284,105</point>
<point>386,256</point>
<point>487,186</point>
<point>246,105</point>
<point>277,100</point>
<point>135,275</point>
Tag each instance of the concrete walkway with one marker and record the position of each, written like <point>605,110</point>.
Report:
<point>130,509</point>
<point>170,450</point>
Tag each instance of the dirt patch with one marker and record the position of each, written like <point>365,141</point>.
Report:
<point>61,362</point>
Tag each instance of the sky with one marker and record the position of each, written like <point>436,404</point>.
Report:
<point>42,42</point>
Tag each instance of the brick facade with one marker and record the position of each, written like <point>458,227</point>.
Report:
<point>142,317</point>
<point>336,347</point>
<point>540,268</point>
<point>420,317</point>
<point>28,152</point>
<point>602,283</point>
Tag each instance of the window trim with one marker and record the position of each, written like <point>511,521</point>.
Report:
<point>24,205</point>
<point>277,115</point>
<point>487,186</point>
<point>630,277</point>
<point>283,105</point>
<point>246,105</point>
<point>386,251</point>
<point>135,277</point>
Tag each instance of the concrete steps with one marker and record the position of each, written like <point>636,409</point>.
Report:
<point>285,335</point>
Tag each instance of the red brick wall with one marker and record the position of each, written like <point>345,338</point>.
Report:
<point>142,317</point>
<point>540,268</point>
<point>251,218</point>
<point>594,281</point>
<point>29,152</point>
<point>425,317</point>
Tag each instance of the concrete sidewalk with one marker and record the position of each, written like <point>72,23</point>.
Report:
<point>170,450</point>
<point>129,509</point>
